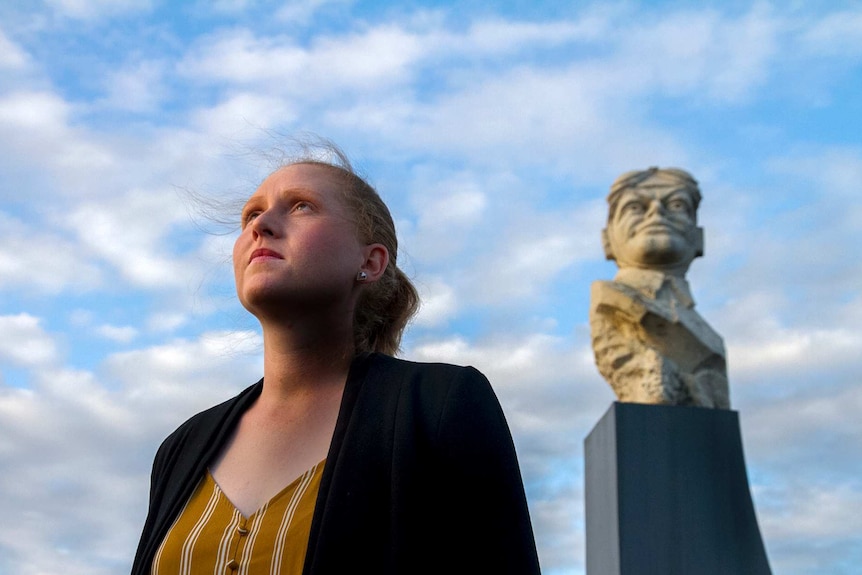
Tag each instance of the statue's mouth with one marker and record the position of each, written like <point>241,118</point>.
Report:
<point>657,228</point>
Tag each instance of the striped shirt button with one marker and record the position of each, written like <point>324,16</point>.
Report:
<point>210,531</point>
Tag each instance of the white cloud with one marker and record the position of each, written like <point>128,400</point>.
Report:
<point>188,371</point>
<point>37,111</point>
<point>97,9</point>
<point>557,519</point>
<point>120,334</point>
<point>573,118</point>
<point>452,203</point>
<point>302,11</point>
<point>239,57</point>
<point>243,112</point>
<point>65,451</point>
<point>581,113</point>
<point>226,6</point>
<point>80,317</point>
<point>817,512</point>
<point>368,61</point>
<point>700,52</point>
<point>525,267</point>
<point>36,136</point>
<point>808,422</point>
<point>439,303</point>
<point>450,209</point>
<point>539,376</point>
<point>489,240</point>
<point>501,37</point>
<point>12,56</point>
<point>833,172</point>
<point>806,522</point>
<point>531,251</point>
<point>25,343</point>
<point>167,321</point>
<point>76,447</point>
<point>784,350</point>
<point>139,87</point>
<point>128,231</point>
<point>835,34</point>
<point>45,262</point>
<point>372,60</point>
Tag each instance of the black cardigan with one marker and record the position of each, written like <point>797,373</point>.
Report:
<point>421,476</point>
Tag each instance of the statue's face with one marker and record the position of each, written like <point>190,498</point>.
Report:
<point>654,227</point>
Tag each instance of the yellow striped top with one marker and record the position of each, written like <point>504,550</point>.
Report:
<point>210,536</point>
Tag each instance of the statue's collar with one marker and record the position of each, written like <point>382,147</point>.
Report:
<point>656,284</point>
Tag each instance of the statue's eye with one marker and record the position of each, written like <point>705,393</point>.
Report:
<point>633,208</point>
<point>678,205</point>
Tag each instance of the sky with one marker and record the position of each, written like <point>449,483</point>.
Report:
<point>129,129</point>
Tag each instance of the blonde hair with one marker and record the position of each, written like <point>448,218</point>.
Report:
<point>386,306</point>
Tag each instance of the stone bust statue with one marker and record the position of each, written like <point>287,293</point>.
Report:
<point>649,342</point>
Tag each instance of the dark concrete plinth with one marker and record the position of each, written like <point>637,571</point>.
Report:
<point>667,494</point>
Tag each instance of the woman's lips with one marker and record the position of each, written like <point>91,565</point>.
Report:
<point>263,253</point>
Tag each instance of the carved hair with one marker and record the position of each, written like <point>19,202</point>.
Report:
<point>386,306</point>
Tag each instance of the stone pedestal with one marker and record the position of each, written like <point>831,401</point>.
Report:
<point>667,494</point>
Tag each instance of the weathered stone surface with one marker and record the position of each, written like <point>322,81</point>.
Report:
<point>649,342</point>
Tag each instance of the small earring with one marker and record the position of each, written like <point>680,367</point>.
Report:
<point>361,276</point>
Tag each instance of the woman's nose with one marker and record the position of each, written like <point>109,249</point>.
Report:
<point>262,225</point>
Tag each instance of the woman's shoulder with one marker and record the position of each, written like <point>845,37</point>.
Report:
<point>446,402</point>
<point>432,385</point>
<point>419,372</point>
<point>199,427</point>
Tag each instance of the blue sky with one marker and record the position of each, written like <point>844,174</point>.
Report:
<point>494,132</point>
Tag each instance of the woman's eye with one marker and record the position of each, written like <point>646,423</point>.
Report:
<point>248,217</point>
<point>301,207</point>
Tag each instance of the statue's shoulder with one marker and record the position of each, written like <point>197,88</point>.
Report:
<point>611,289</point>
<point>613,297</point>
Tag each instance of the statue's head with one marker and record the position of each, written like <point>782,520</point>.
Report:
<point>652,221</point>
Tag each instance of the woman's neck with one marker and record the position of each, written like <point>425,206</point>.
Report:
<point>304,361</point>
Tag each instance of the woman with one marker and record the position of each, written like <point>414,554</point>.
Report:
<point>342,459</point>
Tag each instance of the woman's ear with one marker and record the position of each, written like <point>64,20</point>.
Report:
<point>376,260</point>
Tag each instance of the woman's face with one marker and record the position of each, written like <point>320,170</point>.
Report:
<point>298,245</point>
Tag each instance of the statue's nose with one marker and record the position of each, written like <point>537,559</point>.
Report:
<point>655,208</point>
